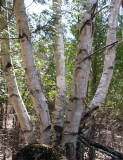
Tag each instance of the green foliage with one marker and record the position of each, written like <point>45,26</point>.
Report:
<point>42,24</point>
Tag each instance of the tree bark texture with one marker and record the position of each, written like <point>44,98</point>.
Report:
<point>13,90</point>
<point>31,72</point>
<point>109,63</point>
<point>60,102</point>
<point>80,81</point>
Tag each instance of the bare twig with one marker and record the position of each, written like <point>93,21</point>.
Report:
<point>30,4</point>
<point>99,11</point>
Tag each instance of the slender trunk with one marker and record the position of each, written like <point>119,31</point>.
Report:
<point>60,102</point>
<point>31,72</point>
<point>13,91</point>
<point>80,82</point>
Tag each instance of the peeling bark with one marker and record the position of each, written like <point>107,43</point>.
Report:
<point>60,102</point>
<point>80,81</point>
<point>31,72</point>
<point>13,90</point>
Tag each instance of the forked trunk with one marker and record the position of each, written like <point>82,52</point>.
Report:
<point>31,72</point>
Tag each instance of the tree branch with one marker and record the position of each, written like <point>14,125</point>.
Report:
<point>100,49</point>
<point>100,147</point>
<point>99,12</point>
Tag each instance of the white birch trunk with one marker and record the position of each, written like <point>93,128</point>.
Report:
<point>13,90</point>
<point>31,72</point>
<point>80,82</point>
<point>109,62</point>
<point>60,102</point>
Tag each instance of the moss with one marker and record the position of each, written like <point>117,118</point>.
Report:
<point>36,152</point>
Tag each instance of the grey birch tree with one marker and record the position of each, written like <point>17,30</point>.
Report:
<point>11,82</point>
<point>80,81</point>
<point>60,102</point>
<point>31,72</point>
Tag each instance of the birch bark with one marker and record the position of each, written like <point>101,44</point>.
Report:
<point>31,72</point>
<point>80,82</point>
<point>109,61</point>
<point>13,90</point>
<point>60,102</point>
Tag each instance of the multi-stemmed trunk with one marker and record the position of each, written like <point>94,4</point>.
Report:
<point>31,72</point>
<point>11,82</point>
<point>60,102</point>
<point>80,82</point>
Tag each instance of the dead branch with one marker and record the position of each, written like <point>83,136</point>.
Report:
<point>100,147</point>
